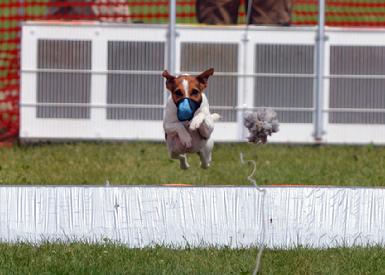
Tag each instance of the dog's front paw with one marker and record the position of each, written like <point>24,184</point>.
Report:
<point>185,139</point>
<point>196,123</point>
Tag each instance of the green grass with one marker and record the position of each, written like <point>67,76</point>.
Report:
<point>148,163</point>
<point>115,259</point>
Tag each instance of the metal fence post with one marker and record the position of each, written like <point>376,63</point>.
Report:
<point>21,14</point>
<point>21,10</point>
<point>319,70</point>
<point>171,43</point>
<point>171,50</point>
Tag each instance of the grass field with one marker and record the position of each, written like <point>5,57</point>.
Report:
<point>148,163</point>
<point>115,259</point>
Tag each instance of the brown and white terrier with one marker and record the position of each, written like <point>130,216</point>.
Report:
<point>187,121</point>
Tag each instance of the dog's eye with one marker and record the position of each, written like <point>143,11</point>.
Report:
<point>194,92</point>
<point>178,93</point>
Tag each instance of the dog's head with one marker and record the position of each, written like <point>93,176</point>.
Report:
<point>186,92</point>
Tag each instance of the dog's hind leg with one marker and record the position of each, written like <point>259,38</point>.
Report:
<point>182,160</point>
<point>205,154</point>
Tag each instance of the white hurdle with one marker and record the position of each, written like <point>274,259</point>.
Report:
<point>140,216</point>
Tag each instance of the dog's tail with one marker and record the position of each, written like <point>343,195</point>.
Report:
<point>215,116</point>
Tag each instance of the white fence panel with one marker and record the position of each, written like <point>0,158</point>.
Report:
<point>102,81</point>
<point>356,78</point>
<point>110,108</point>
<point>142,216</point>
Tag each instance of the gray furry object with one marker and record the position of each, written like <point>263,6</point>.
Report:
<point>261,124</point>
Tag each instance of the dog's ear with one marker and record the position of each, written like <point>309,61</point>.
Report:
<point>204,77</point>
<point>170,84</point>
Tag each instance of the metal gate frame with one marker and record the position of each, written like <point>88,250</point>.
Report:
<point>351,133</point>
<point>98,127</point>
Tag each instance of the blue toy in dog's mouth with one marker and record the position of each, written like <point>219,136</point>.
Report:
<point>186,108</point>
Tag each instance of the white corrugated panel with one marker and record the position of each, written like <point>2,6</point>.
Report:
<point>194,216</point>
